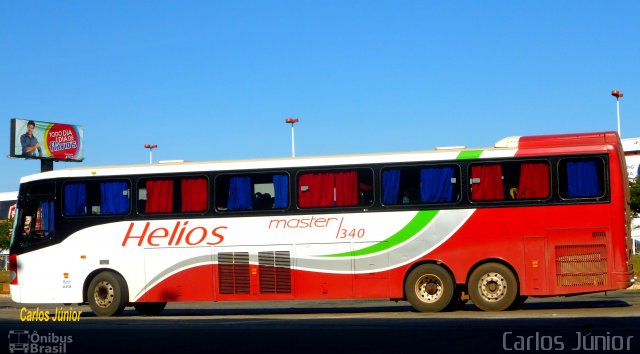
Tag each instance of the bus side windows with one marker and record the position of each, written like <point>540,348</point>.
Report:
<point>110,197</point>
<point>421,184</point>
<point>510,181</point>
<point>581,178</point>
<point>335,188</point>
<point>253,191</point>
<point>173,195</point>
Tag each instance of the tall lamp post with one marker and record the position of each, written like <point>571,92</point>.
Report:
<point>292,121</point>
<point>618,95</point>
<point>150,147</point>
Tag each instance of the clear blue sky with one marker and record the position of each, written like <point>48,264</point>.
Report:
<point>208,80</point>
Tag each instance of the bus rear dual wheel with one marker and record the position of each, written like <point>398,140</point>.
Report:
<point>430,288</point>
<point>492,287</point>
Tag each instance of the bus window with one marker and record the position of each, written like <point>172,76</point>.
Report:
<point>110,197</point>
<point>420,184</point>
<point>581,177</point>
<point>255,191</point>
<point>513,180</point>
<point>335,188</point>
<point>173,195</point>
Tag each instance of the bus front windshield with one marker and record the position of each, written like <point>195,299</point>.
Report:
<point>34,220</point>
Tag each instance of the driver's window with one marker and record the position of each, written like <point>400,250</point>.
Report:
<point>37,217</point>
<point>38,224</point>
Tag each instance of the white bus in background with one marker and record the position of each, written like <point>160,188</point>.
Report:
<point>631,149</point>
<point>7,211</point>
<point>8,204</point>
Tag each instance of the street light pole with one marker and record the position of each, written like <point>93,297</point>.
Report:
<point>292,121</point>
<point>618,95</point>
<point>150,147</point>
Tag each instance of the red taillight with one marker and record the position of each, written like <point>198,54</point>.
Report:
<point>13,269</point>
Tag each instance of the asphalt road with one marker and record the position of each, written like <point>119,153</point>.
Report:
<point>600,322</point>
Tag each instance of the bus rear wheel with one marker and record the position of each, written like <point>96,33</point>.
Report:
<point>149,308</point>
<point>429,288</point>
<point>107,294</point>
<point>493,287</point>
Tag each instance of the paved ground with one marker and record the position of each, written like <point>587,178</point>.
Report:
<point>606,322</point>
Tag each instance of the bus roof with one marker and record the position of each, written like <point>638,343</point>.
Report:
<point>503,148</point>
<point>4,196</point>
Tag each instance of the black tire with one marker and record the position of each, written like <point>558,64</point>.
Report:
<point>149,308</point>
<point>107,294</point>
<point>493,287</point>
<point>429,288</point>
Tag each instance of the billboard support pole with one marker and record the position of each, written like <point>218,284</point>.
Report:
<point>292,121</point>
<point>46,165</point>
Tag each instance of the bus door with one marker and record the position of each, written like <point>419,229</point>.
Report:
<point>34,230</point>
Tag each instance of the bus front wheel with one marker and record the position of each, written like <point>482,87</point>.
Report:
<point>107,294</point>
<point>493,287</point>
<point>429,288</point>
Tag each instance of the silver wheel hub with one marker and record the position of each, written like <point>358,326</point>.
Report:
<point>429,288</point>
<point>104,294</point>
<point>493,287</point>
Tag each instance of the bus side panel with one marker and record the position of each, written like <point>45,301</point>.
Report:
<point>47,269</point>
<point>570,244</point>
<point>178,274</point>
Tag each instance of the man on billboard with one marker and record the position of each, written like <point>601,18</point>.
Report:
<point>29,142</point>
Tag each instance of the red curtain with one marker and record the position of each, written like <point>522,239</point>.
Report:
<point>315,190</point>
<point>159,196</point>
<point>346,188</point>
<point>194,194</point>
<point>487,182</point>
<point>534,180</point>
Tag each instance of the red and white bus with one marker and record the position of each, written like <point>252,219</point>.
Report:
<point>532,216</point>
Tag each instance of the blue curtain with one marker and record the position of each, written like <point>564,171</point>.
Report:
<point>281,188</point>
<point>47,215</point>
<point>75,199</point>
<point>582,179</point>
<point>436,186</point>
<point>390,186</point>
<point>114,198</point>
<point>240,195</point>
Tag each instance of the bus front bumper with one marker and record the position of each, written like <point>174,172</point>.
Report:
<point>15,293</point>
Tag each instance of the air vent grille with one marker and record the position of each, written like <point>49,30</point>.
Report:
<point>275,272</point>
<point>581,265</point>
<point>233,272</point>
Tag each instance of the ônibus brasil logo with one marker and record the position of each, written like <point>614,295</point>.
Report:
<point>23,341</point>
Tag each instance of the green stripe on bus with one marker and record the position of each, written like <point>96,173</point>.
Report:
<point>469,154</point>
<point>414,226</point>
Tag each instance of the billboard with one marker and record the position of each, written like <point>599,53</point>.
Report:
<point>45,140</point>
